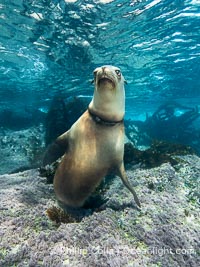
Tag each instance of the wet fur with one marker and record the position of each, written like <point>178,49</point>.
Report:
<point>91,149</point>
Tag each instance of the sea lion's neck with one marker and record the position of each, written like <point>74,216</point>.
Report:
<point>103,121</point>
<point>108,105</point>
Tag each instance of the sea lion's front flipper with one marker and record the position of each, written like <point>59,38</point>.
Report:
<point>56,150</point>
<point>123,176</point>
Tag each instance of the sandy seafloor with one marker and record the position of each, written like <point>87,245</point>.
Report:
<point>166,232</point>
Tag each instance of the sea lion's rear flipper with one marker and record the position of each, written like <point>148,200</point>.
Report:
<point>56,150</point>
<point>123,176</point>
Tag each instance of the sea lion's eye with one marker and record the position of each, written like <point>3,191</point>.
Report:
<point>118,72</point>
<point>95,73</point>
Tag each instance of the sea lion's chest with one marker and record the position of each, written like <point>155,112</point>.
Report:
<point>101,142</point>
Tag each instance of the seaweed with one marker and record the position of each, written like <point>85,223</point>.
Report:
<point>56,118</point>
<point>59,216</point>
<point>49,171</point>
<point>160,152</point>
<point>61,116</point>
<point>171,122</point>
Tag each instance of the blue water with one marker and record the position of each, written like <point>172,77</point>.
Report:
<point>52,47</point>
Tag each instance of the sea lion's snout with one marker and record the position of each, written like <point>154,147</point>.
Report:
<point>105,76</point>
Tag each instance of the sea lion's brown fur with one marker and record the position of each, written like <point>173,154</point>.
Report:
<point>95,143</point>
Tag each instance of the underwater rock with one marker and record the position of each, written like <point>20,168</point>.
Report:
<point>166,232</point>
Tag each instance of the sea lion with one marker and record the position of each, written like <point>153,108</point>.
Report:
<point>94,145</point>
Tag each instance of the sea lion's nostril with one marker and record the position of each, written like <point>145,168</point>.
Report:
<point>103,69</point>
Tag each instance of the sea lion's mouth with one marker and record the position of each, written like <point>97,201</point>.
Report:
<point>105,80</point>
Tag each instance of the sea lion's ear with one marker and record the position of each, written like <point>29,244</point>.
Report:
<point>125,82</point>
<point>92,81</point>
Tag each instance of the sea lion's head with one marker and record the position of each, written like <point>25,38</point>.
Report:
<point>108,78</point>
<point>109,98</point>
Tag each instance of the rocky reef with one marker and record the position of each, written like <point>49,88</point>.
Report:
<point>165,232</point>
<point>21,149</point>
<point>171,122</point>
